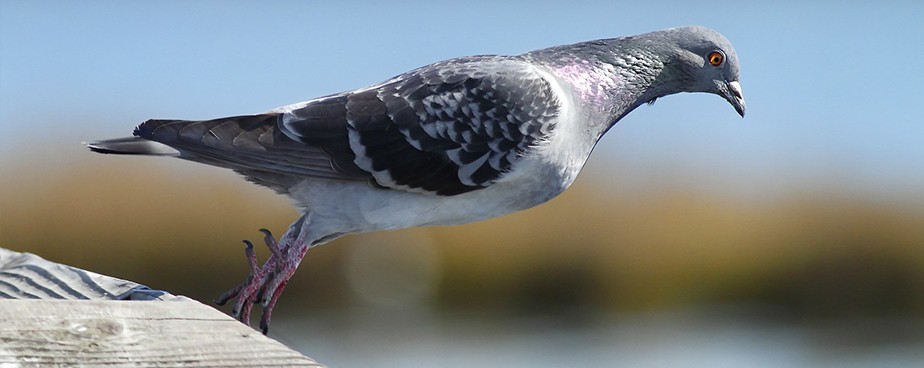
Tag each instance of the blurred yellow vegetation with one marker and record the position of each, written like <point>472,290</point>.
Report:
<point>172,227</point>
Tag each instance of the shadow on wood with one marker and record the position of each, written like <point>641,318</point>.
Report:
<point>56,315</point>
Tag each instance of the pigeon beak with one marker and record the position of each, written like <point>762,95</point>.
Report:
<point>734,97</point>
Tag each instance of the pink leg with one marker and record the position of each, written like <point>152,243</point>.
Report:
<point>265,284</point>
<point>277,283</point>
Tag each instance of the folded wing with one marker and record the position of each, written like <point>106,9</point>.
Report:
<point>447,128</point>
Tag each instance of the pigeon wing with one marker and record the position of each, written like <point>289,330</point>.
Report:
<point>447,128</point>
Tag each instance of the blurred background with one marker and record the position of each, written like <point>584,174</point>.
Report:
<point>793,237</point>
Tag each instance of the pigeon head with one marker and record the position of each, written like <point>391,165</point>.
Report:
<point>704,61</point>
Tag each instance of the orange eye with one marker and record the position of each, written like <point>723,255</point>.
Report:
<point>716,58</point>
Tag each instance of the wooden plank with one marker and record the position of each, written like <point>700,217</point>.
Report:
<point>105,333</point>
<point>54,315</point>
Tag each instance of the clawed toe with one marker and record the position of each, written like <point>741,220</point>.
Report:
<point>228,295</point>
<point>252,261</point>
<point>251,258</point>
<point>271,243</point>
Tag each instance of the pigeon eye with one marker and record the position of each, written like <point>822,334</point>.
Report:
<point>716,58</point>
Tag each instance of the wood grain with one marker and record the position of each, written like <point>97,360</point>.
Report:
<point>98,333</point>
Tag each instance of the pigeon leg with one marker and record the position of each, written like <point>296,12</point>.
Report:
<point>263,283</point>
<point>297,244</point>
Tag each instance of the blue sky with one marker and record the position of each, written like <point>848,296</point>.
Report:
<point>834,89</point>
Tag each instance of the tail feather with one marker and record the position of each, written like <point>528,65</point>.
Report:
<point>132,146</point>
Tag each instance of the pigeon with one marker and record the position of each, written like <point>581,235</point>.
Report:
<point>449,143</point>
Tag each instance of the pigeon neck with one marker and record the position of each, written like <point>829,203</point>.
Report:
<point>609,78</point>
